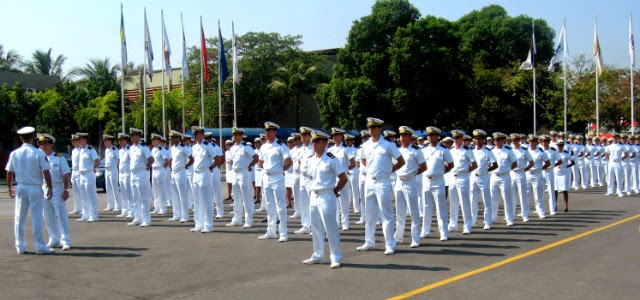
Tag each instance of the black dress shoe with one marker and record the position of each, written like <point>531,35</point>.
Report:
<point>566,210</point>
<point>264,221</point>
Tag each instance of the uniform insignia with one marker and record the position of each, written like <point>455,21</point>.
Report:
<point>58,154</point>
<point>554,149</point>
<point>205,142</point>
<point>465,147</point>
<point>181,145</point>
<point>310,156</point>
<point>619,143</point>
<point>415,147</point>
<point>89,147</point>
<point>329,155</point>
<point>565,151</point>
<point>507,146</point>
<point>279,143</point>
<point>127,147</point>
<point>113,148</point>
<point>488,149</point>
<point>46,159</point>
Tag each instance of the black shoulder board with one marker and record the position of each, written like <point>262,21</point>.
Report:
<point>488,149</point>
<point>329,155</point>
<point>541,149</point>
<point>181,145</point>
<point>127,147</point>
<point>89,147</point>
<point>507,146</point>
<point>142,143</point>
<point>565,151</point>
<point>415,147</point>
<point>465,147</point>
<point>554,149</point>
<point>279,143</point>
<point>205,142</point>
<point>159,147</point>
<point>620,143</point>
<point>46,159</point>
<point>310,156</point>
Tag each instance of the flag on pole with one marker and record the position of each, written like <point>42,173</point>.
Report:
<point>222,59</point>
<point>560,51</point>
<point>530,63</point>
<point>203,49</point>
<point>148,50</point>
<point>236,75</point>
<point>185,67</point>
<point>596,50</point>
<point>632,51</point>
<point>123,40</point>
<point>166,51</point>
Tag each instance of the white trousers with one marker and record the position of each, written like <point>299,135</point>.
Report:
<point>626,171</point>
<point>55,217</point>
<point>549,179</point>
<point>295,186</point>
<point>203,200</point>
<point>217,191</point>
<point>305,215</point>
<point>354,184</point>
<point>459,197</point>
<point>378,194</point>
<point>575,172</point>
<point>126,195</point>
<point>599,166</point>
<point>190,194</point>
<point>75,187</point>
<point>158,189</point>
<point>584,173</point>
<point>180,195</point>
<point>519,189</point>
<point>591,166</point>
<point>111,178</point>
<point>89,195</point>
<point>614,177</point>
<point>29,197</point>
<point>536,183</point>
<point>407,192</point>
<point>435,194</point>
<point>344,204</point>
<point>243,197</point>
<point>501,186</point>
<point>273,189</point>
<point>361,189</point>
<point>141,193</point>
<point>481,186</point>
<point>323,209</point>
<point>634,175</point>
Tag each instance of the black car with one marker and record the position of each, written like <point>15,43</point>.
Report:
<point>100,177</point>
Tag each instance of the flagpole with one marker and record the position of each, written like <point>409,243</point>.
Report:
<point>533,60</point>
<point>564,74</point>
<point>202,62</point>
<point>164,71</point>
<point>235,76</point>
<point>144,83</point>
<point>123,54</point>
<point>632,54</point>
<point>219,87</point>
<point>182,79</point>
<point>597,85</point>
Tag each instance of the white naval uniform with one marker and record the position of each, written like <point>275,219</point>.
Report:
<point>549,178</point>
<point>354,180</point>
<point>501,183</point>
<point>158,176</point>
<point>615,172</point>
<point>179,182</point>
<point>228,174</point>
<point>434,189</point>
<point>140,183</point>
<point>190,194</point>
<point>111,177</point>
<point>519,183</point>
<point>590,163</point>
<point>344,201</point>
<point>635,170</point>
<point>203,157</point>
<point>295,178</point>
<point>305,184</point>
<point>167,178</point>
<point>362,178</point>
<point>55,210</point>
<point>27,163</point>
<point>323,173</point>
<point>242,156</point>
<point>378,158</point>
<point>126,194</point>
<point>601,165</point>
<point>536,182</point>
<point>575,169</point>
<point>406,192</point>
<point>562,174</point>
<point>86,158</point>
<point>217,183</point>
<point>481,185</point>
<point>459,190</point>
<point>75,181</point>
<point>273,154</point>
<point>626,168</point>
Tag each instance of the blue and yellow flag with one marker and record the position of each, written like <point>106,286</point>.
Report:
<point>123,40</point>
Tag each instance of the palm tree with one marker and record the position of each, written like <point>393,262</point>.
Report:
<point>10,62</point>
<point>292,81</point>
<point>43,63</point>
<point>98,77</point>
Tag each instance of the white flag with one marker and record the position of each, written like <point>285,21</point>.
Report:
<point>632,51</point>
<point>148,50</point>
<point>236,75</point>
<point>597,53</point>
<point>530,63</point>
<point>185,67</point>
<point>561,50</point>
<point>166,51</point>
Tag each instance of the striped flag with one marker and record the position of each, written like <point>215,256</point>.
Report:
<point>597,53</point>
<point>148,50</point>
<point>185,66</point>
<point>123,40</point>
<point>632,51</point>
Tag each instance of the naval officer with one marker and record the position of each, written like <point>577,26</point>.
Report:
<point>203,160</point>
<point>111,174</point>
<point>141,161</point>
<point>242,158</point>
<point>88,161</point>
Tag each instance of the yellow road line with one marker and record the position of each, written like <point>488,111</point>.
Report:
<point>508,260</point>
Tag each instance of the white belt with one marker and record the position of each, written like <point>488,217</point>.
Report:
<point>434,177</point>
<point>135,171</point>
<point>272,173</point>
<point>502,173</point>
<point>407,177</point>
<point>534,172</point>
<point>179,169</point>
<point>321,192</point>
<point>379,177</point>
<point>240,170</point>
<point>156,167</point>
<point>480,175</point>
<point>86,172</point>
<point>202,171</point>
<point>518,171</point>
<point>460,174</point>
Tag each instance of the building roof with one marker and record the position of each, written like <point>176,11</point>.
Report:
<point>34,82</point>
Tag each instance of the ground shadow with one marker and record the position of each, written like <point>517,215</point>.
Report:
<point>447,252</point>
<point>467,245</point>
<point>109,248</point>
<point>395,267</point>
<point>96,254</point>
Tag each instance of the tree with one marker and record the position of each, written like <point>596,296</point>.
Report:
<point>11,61</point>
<point>55,117</point>
<point>43,63</point>
<point>99,116</point>
<point>290,82</point>
<point>98,77</point>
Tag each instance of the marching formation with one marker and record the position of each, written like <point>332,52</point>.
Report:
<point>325,176</point>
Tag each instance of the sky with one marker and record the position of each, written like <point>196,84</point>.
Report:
<point>82,30</point>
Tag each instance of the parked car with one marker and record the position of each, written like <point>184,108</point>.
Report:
<point>68,158</point>
<point>100,177</point>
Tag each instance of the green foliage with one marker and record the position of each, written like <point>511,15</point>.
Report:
<point>100,116</point>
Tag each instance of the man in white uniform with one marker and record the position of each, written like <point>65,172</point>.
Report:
<point>228,171</point>
<point>167,172</point>
<point>615,153</point>
<point>302,155</point>
<point>160,163</point>
<point>464,163</point>
<point>348,163</point>
<point>626,164</point>
<point>590,161</point>
<point>75,176</point>
<point>549,176</point>
<point>242,159</point>
<point>124,163</point>
<point>111,174</point>
<point>352,174</point>
<point>323,170</point>
<point>186,141</point>
<point>295,173</point>
<point>29,166</point>
<point>181,160</point>
<point>439,162</point>
<point>519,177</point>
<point>257,176</point>
<point>88,161</point>
<point>141,161</point>
<point>216,175</point>
<point>364,137</point>
<point>377,156</point>
<point>535,178</point>
<point>501,179</point>
<point>203,160</point>
<point>406,189</point>
<point>55,210</point>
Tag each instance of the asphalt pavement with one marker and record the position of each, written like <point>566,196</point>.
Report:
<point>111,260</point>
